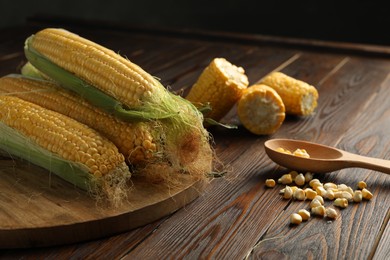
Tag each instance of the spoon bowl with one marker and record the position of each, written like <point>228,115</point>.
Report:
<point>322,158</point>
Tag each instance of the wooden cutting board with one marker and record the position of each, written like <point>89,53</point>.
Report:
<point>39,209</point>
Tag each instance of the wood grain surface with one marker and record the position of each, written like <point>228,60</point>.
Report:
<point>236,217</point>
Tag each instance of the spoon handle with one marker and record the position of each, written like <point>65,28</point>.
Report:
<point>368,163</point>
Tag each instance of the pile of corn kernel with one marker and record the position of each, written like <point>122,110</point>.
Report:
<point>316,193</point>
<point>298,152</point>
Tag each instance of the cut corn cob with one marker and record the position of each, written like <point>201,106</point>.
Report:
<point>134,140</point>
<point>298,97</point>
<point>261,110</point>
<point>122,88</point>
<point>64,146</point>
<point>220,85</point>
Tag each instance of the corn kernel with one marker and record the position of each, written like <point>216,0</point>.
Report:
<point>285,179</point>
<point>304,214</point>
<point>300,180</point>
<point>330,185</point>
<point>321,191</point>
<point>357,196</point>
<point>282,150</point>
<point>319,198</point>
<point>315,203</point>
<point>308,177</point>
<point>318,211</point>
<point>331,213</point>
<point>287,193</point>
<point>367,194</point>
<point>310,194</point>
<point>314,183</point>
<point>301,153</point>
<point>270,183</point>
<point>343,194</point>
<point>295,219</point>
<point>361,185</point>
<point>341,203</point>
<point>293,174</point>
<point>299,194</point>
<point>329,194</point>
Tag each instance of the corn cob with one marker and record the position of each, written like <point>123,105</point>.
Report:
<point>261,110</point>
<point>298,97</point>
<point>134,140</point>
<point>123,89</point>
<point>220,85</point>
<point>64,146</point>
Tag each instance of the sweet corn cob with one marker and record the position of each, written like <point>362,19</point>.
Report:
<point>220,85</point>
<point>261,110</point>
<point>123,89</point>
<point>134,140</point>
<point>64,146</point>
<point>298,97</point>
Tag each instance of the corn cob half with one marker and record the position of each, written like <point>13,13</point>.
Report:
<point>220,85</point>
<point>299,97</point>
<point>120,87</point>
<point>64,146</point>
<point>261,110</point>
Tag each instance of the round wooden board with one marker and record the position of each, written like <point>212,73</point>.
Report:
<point>38,209</point>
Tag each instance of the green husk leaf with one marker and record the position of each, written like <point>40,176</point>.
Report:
<point>16,144</point>
<point>90,93</point>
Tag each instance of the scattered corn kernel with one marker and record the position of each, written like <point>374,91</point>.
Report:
<point>315,183</point>
<point>361,185</point>
<point>358,196</point>
<point>299,194</point>
<point>321,191</point>
<point>295,219</point>
<point>308,177</point>
<point>285,179</point>
<point>293,174</point>
<point>330,185</point>
<point>304,214</point>
<point>287,193</point>
<point>329,194</point>
<point>341,203</point>
<point>320,199</point>
<point>343,194</point>
<point>310,193</point>
<point>315,203</point>
<point>270,183</point>
<point>331,213</point>
<point>318,211</point>
<point>301,153</point>
<point>300,180</point>
<point>366,194</point>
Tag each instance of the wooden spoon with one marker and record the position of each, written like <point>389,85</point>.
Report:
<point>322,158</point>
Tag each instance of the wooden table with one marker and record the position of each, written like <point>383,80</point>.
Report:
<point>237,217</point>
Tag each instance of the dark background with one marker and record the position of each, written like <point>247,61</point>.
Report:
<point>347,21</point>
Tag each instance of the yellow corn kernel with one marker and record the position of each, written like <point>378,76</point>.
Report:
<point>261,110</point>
<point>361,185</point>
<point>343,194</point>
<point>318,211</point>
<point>293,174</point>
<point>299,194</point>
<point>314,183</point>
<point>320,199</point>
<point>304,214</point>
<point>330,185</point>
<point>310,193</point>
<point>331,213</point>
<point>341,202</point>
<point>295,219</point>
<point>321,191</point>
<point>300,180</point>
<point>329,194</point>
<point>357,196</point>
<point>285,179</point>
<point>288,193</point>
<point>367,194</point>
<point>308,177</point>
<point>282,150</point>
<point>134,140</point>
<point>315,203</point>
<point>220,85</point>
<point>270,183</point>
<point>301,153</point>
<point>298,97</point>
<point>97,65</point>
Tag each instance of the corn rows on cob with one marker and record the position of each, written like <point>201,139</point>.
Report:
<point>261,110</point>
<point>220,85</point>
<point>60,144</point>
<point>123,89</point>
<point>298,97</point>
<point>134,140</point>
